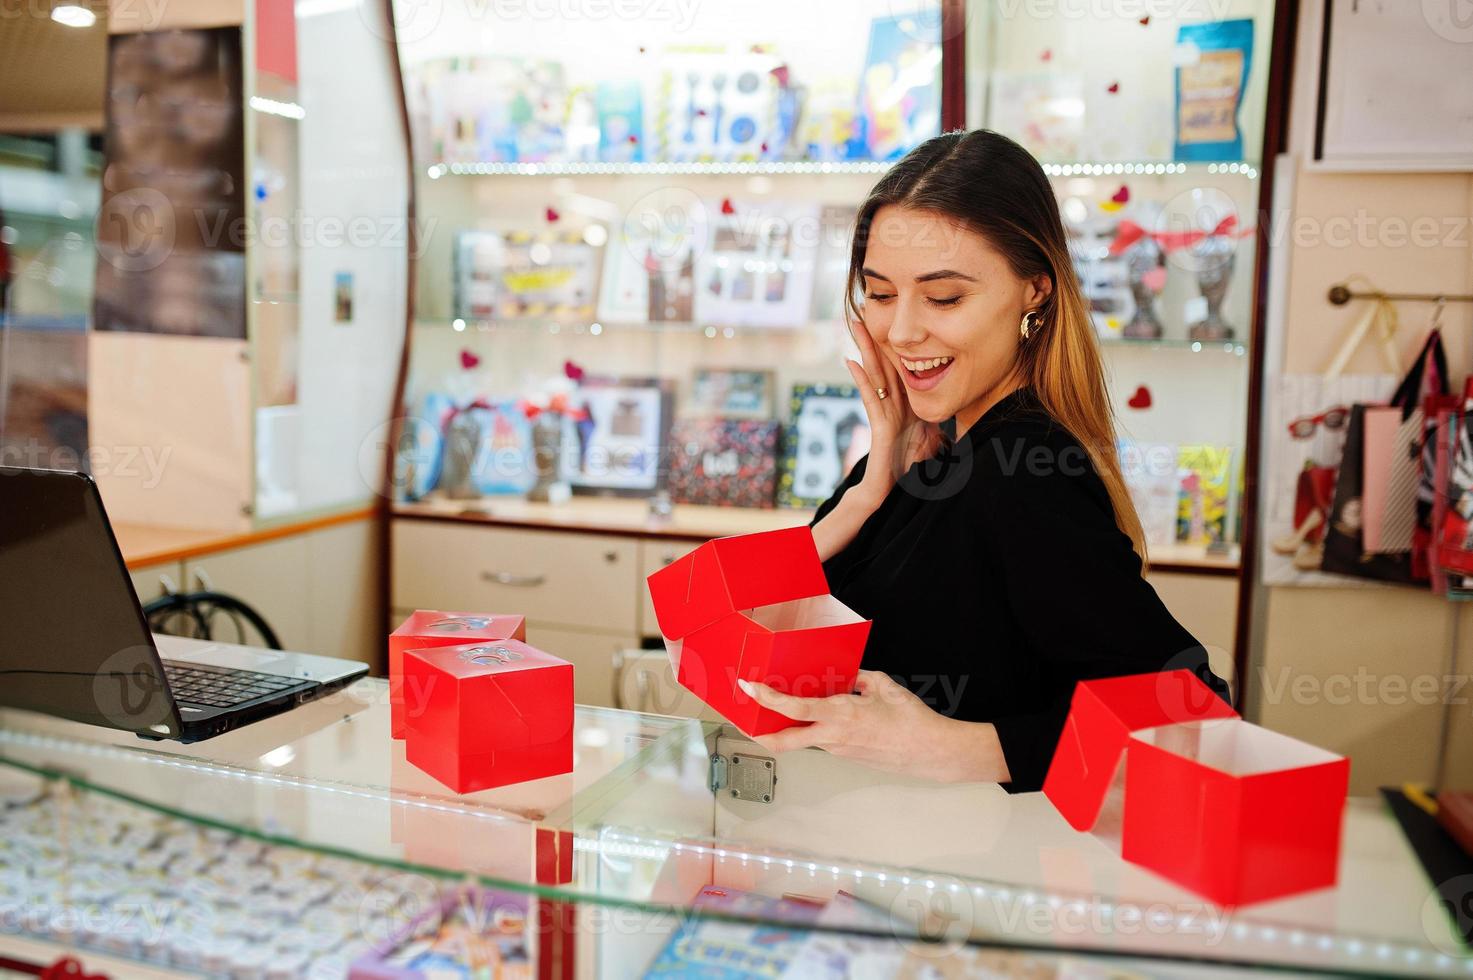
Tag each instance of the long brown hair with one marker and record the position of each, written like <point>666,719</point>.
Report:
<point>993,186</point>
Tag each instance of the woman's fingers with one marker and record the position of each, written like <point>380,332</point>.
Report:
<point>868,355</point>
<point>798,709</point>
<point>791,739</point>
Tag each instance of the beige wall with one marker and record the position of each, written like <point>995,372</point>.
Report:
<point>1354,669</point>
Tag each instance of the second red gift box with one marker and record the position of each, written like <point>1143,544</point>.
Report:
<point>435,628</point>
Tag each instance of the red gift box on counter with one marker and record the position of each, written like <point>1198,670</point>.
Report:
<point>489,714</point>
<point>427,628</point>
<point>1232,811</point>
<point>756,607</point>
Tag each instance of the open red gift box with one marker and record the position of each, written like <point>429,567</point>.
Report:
<point>490,714</point>
<point>1232,811</point>
<point>433,628</point>
<point>756,607</point>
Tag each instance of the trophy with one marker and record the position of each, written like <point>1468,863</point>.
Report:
<point>1141,261</point>
<point>1215,257</point>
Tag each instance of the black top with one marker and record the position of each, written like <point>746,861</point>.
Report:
<point>996,578</point>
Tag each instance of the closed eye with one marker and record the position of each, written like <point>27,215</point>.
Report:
<point>880,297</point>
<point>947,301</point>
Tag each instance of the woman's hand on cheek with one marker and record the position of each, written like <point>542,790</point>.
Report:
<point>883,725</point>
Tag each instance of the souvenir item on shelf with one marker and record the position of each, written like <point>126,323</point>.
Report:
<point>1102,272</point>
<point>649,272</point>
<point>831,264</point>
<point>471,931</point>
<point>828,434</point>
<point>1212,64</point>
<point>1150,471</point>
<point>523,274</point>
<point>620,108</point>
<point>828,123</point>
<point>724,462</point>
<point>1236,813</point>
<point>899,105</point>
<point>704,946</point>
<point>1205,481</point>
<point>715,107</point>
<point>756,607</point>
<point>436,627</point>
<point>550,410</point>
<point>1145,272</point>
<point>742,393</point>
<point>758,271</point>
<point>617,442</point>
<point>1039,109</point>
<point>488,109</point>
<point>487,713</point>
<point>420,451</point>
<point>1215,256</point>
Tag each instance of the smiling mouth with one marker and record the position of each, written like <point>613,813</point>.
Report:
<point>926,368</point>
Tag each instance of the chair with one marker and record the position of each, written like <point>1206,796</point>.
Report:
<point>197,614</point>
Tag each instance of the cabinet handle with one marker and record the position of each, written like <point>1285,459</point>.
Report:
<point>611,556</point>
<point>203,581</point>
<point>667,559</point>
<point>511,578</point>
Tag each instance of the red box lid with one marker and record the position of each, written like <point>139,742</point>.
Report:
<point>1102,715</point>
<point>730,574</point>
<point>486,657</point>
<point>472,626</point>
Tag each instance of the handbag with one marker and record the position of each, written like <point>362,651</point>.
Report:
<point>1399,517</point>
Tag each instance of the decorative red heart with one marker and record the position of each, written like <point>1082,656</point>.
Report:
<point>1141,399</point>
<point>572,371</point>
<point>764,147</point>
<point>727,207</point>
<point>1046,55</point>
<point>633,138</point>
<point>701,112</point>
<point>552,214</point>
<point>1114,88</point>
<point>468,359</point>
<point>1145,20</point>
<point>1122,195</point>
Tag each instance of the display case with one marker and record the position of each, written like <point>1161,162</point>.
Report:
<point>305,845</point>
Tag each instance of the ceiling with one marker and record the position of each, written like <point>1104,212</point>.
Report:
<point>51,76</point>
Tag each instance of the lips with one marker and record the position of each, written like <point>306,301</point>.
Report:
<point>923,374</point>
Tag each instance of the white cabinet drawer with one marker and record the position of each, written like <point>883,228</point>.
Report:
<point>580,580</point>
<point>592,655</point>
<point>653,556</point>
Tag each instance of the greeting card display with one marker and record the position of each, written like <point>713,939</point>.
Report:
<point>1234,812</point>
<point>488,713</point>
<point>724,462</point>
<point>756,607</point>
<point>615,443</point>
<point>828,434</point>
<point>758,270</point>
<point>520,274</point>
<point>434,628</point>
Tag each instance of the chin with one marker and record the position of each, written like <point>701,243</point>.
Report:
<point>930,409</point>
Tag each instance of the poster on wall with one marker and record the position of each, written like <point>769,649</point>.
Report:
<point>828,434</point>
<point>524,274</point>
<point>758,270</point>
<point>618,445</point>
<point>175,143</point>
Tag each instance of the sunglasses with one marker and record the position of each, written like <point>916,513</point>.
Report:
<point>1330,418</point>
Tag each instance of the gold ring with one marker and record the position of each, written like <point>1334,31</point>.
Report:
<point>883,393</point>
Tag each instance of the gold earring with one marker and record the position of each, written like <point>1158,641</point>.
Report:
<point>1026,326</point>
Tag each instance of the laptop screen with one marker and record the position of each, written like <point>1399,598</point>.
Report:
<point>73,641</point>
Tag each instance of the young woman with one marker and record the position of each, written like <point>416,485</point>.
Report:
<point>988,534</point>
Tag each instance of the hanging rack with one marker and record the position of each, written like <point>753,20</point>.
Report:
<point>1340,294</point>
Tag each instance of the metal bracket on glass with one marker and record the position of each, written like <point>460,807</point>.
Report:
<point>744,776</point>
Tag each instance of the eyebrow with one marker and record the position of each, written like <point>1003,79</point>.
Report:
<point>927,277</point>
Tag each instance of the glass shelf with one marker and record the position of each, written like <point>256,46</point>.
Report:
<point>765,167</point>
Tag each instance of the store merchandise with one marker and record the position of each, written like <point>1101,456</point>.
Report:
<point>731,393</point>
<point>1150,471</point>
<point>489,109</point>
<point>827,436</point>
<point>717,106</point>
<point>488,713</point>
<point>129,881</point>
<point>1213,60</point>
<point>899,89</point>
<point>525,274</point>
<point>758,269</point>
<point>756,607</point>
<point>431,628</point>
<point>1234,812</point>
<point>1206,484</point>
<point>617,442</point>
<point>716,950</point>
<point>831,262</point>
<point>473,932</point>
<point>649,271</point>
<point>724,462</point>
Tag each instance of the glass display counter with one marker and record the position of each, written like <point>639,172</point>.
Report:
<point>305,845</point>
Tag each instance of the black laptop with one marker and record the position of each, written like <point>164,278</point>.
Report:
<point>74,642</point>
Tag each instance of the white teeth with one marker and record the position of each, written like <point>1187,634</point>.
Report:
<point>927,365</point>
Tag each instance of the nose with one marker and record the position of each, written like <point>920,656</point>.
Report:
<point>907,328</point>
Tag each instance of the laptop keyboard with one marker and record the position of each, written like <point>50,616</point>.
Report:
<point>223,687</point>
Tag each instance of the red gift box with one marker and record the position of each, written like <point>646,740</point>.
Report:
<point>1232,811</point>
<point>756,607</point>
<point>427,628</point>
<point>491,714</point>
